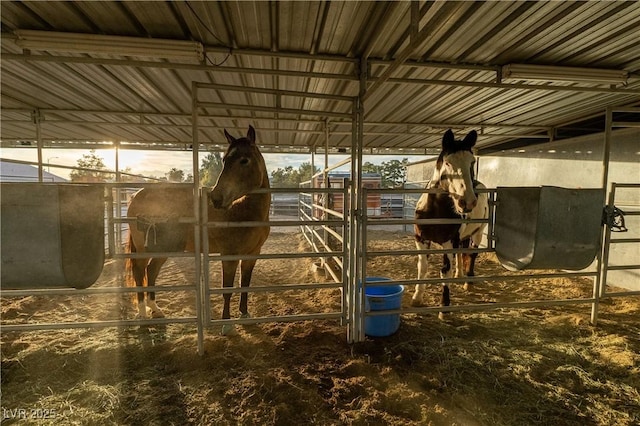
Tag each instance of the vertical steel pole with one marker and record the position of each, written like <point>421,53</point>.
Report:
<point>108,196</point>
<point>350,235</point>
<point>363,264</point>
<point>359,209</point>
<point>346,261</point>
<point>598,283</point>
<point>117,238</point>
<point>196,211</point>
<point>607,149</point>
<point>325,181</point>
<point>314,197</point>
<point>36,117</point>
<point>206,279</point>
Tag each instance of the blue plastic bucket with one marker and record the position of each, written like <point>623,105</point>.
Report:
<point>381,298</point>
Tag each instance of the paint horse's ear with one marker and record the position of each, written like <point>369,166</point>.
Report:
<point>448,141</point>
<point>470,140</point>
<point>230,138</point>
<point>251,134</point>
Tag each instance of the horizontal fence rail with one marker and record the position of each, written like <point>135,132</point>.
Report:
<point>326,230</point>
<point>368,254</point>
<point>307,222</point>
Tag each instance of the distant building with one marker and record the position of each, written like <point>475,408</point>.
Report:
<point>18,172</point>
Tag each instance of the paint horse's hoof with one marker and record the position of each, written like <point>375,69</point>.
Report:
<point>228,330</point>
<point>157,314</point>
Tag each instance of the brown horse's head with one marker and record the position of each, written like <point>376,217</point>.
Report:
<point>244,170</point>
<point>454,170</point>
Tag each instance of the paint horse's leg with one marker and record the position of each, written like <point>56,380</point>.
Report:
<point>153,269</point>
<point>416,300</point>
<point>469,259</point>
<point>468,262</point>
<point>445,273</point>
<point>229,268</point>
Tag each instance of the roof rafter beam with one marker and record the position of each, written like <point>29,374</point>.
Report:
<point>173,65</point>
<point>333,123</point>
<point>520,86</point>
<point>417,36</point>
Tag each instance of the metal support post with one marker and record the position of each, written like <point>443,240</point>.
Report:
<point>597,281</point>
<point>196,211</point>
<point>36,118</point>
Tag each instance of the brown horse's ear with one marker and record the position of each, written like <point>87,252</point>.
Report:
<point>251,134</point>
<point>230,138</point>
<point>470,140</point>
<point>448,141</point>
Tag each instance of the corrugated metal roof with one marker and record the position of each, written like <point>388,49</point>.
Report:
<point>445,74</point>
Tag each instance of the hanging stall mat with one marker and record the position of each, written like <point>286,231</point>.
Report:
<point>547,227</point>
<point>52,235</point>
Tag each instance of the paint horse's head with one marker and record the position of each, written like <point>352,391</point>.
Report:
<point>454,170</point>
<point>243,171</point>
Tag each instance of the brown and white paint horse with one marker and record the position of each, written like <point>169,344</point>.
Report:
<point>454,175</point>
<point>156,228</point>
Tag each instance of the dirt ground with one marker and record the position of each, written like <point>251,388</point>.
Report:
<point>501,367</point>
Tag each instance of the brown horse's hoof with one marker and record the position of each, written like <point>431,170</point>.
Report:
<point>441,316</point>
<point>467,286</point>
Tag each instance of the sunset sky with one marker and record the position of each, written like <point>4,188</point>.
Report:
<point>157,163</point>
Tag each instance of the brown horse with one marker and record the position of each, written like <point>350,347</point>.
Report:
<point>454,175</point>
<point>156,229</point>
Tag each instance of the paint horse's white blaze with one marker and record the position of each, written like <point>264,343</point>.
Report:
<point>454,175</point>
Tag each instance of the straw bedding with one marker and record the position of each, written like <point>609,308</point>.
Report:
<point>501,367</point>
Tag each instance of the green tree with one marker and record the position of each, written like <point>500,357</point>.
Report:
<point>371,168</point>
<point>289,177</point>
<point>210,169</point>
<point>175,175</point>
<point>89,167</point>
<point>393,172</point>
<point>285,178</point>
<point>305,171</point>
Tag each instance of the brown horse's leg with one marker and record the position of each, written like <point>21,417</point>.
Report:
<point>138,269</point>
<point>229,268</point>
<point>246,269</point>
<point>153,269</point>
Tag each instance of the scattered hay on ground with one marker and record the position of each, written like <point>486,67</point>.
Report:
<point>502,367</point>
